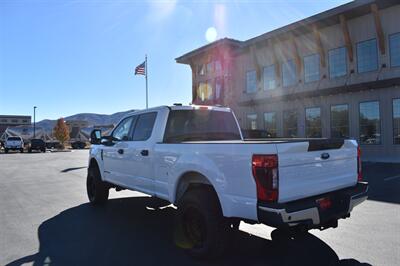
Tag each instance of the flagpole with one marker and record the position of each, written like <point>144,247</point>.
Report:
<point>147,91</point>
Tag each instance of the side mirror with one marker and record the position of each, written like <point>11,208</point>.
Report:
<point>95,136</point>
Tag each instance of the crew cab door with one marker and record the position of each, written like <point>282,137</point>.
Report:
<point>116,154</point>
<point>141,153</point>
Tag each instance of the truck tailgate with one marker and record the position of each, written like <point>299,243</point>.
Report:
<point>314,167</point>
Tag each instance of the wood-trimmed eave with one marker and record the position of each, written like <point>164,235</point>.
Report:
<point>378,84</point>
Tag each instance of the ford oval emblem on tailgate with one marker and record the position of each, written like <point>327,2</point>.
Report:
<point>324,156</point>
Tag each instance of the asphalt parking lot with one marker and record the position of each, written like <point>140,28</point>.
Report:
<point>45,219</point>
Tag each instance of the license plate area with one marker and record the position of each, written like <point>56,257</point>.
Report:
<point>332,207</point>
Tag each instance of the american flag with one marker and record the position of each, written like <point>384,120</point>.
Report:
<point>141,69</point>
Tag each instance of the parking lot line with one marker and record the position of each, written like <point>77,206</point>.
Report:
<point>391,177</point>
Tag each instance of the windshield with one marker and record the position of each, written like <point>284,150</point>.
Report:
<point>14,138</point>
<point>200,125</point>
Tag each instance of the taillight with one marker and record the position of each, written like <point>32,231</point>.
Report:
<point>359,170</point>
<point>265,172</point>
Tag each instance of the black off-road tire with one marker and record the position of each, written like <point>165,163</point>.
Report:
<point>21,150</point>
<point>97,190</point>
<point>6,150</point>
<point>200,226</point>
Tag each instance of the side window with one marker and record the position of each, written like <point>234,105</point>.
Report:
<point>121,132</point>
<point>144,126</point>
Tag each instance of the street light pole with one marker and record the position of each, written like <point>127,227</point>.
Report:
<point>34,121</point>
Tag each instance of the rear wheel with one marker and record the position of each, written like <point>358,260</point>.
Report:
<point>6,150</point>
<point>201,227</point>
<point>30,150</point>
<point>97,189</point>
<point>21,150</point>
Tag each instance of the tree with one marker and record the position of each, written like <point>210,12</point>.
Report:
<point>61,132</point>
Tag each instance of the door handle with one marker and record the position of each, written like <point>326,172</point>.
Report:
<point>144,152</point>
<point>120,151</point>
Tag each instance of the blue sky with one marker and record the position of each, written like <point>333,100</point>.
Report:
<point>69,57</point>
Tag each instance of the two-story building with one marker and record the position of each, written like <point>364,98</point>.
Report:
<point>335,75</point>
<point>13,121</point>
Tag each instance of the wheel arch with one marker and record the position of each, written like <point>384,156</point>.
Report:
<point>189,180</point>
<point>93,164</point>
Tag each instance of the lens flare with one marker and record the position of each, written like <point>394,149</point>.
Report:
<point>211,34</point>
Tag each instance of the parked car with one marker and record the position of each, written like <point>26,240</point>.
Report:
<point>256,134</point>
<point>37,145</point>
<point>195,158</point>
<point>14,143</point>
<point>52,144</point>
<point>78,144</point>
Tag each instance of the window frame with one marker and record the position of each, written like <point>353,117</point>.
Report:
<point>390,49</point>
<point>276,122</point>
<point>380,124</point>
<point>330,117</point>
<point>248,120</point>
<point>319,67</point>
<point>295,78</point>
<point>305,120</point>
<point>246,81</point>
<point>136,123</point>
<point>274,77</point>
<point>283,122</point>
<point>346,62</point>
<point>130,129</point>
<point>376,54</point>
<point>393,99</point>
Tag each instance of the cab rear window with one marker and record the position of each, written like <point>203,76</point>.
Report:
<point>200,125</point>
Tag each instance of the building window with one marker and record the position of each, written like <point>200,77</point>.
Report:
<point>394,41</point>
<point>204,91</point>
<point>218,67</point>
<point>340,121</point>
<point>290,124</point>
<point>252,121</point>
<point>24,121</point>
<point>209,67</point>
<point>370,124</point>
<point>14,121</point>
<point>311,68</point>
<point>218,88</point>
<point>270,124</point>
<point>288,73</point>
<point>396,121</point>
<point>251,81</point>
<point>269,77</point>
<point>337,62</point>
<point>367,56</point>
<point>313,122</point>
<point>4,120</point>
<point>201,70</point>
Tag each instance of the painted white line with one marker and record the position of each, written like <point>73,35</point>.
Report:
<point>391,177</point>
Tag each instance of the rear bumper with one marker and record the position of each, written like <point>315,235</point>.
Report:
<point>308,213</point>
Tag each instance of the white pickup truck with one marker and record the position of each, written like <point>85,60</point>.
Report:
<point>14,143</point>
<point>195,158</point>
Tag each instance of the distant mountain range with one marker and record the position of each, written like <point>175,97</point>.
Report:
<point>93,119</point>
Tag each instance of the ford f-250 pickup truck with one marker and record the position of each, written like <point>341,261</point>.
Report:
<point>195,158</point>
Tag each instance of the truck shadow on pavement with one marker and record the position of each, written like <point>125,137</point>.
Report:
<point>139,231</point>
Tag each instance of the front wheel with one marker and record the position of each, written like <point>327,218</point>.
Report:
<point>200,226</point>
<point>21,150</point>
<point>97,189</point>
<point>6,150</point>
